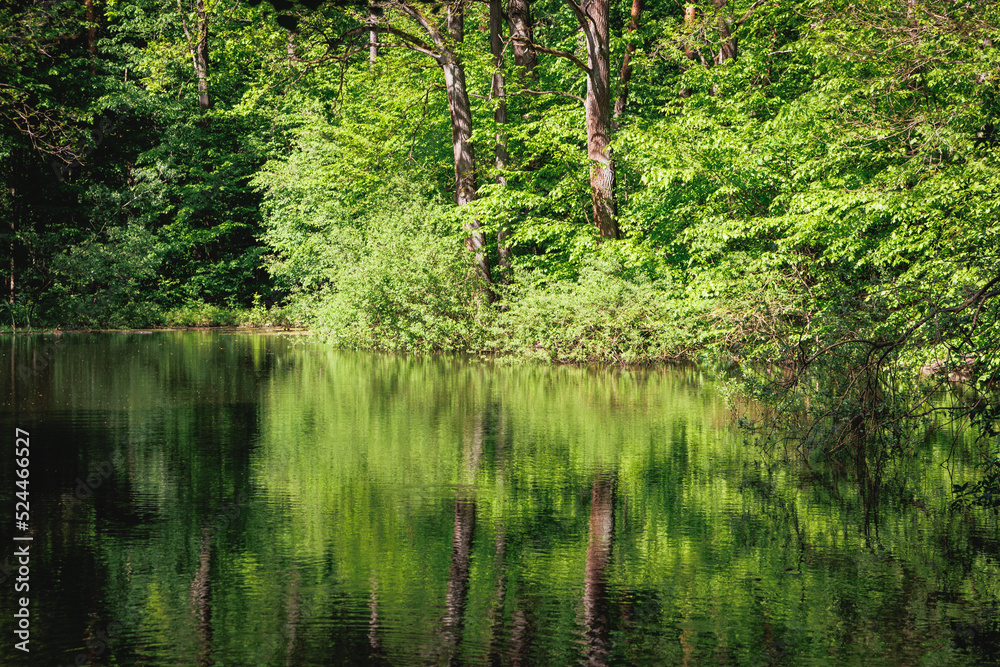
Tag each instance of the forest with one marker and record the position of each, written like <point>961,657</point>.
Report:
<point>806,190</point>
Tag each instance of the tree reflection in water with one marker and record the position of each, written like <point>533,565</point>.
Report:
<point>465,525</point>
<point>201,598</point>
<point>595,588</point>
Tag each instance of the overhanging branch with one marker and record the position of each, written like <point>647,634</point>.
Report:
<point>552,92</point>
<point>555,52</point>
<point>754,7</point>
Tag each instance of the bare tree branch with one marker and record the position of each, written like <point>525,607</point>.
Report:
<point>418,16</point>
<point>413,42</point>
<point>187,34</point>
<point>754,7</point>
<point>562,54</point>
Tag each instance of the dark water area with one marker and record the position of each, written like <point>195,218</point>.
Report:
<point>208,498</point>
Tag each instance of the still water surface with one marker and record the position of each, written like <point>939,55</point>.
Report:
<point>232,499</point>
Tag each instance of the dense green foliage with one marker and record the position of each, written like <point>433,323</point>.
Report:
<point>809,188</point>
<point>153,210</point>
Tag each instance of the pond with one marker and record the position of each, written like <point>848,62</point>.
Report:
<point>220,498</point>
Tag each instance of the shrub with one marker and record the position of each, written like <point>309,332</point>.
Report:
<point>602,316</point>
<point>104,282</point>
<point>411,289</point>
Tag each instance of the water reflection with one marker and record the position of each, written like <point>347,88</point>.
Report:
<point>595,589</point>
<point>461,554</point>
<point>261,501</point>
<point>293,615</point>
<point>375,656</point>
<point>201,599</point>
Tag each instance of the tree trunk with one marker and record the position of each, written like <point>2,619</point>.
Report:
<point>461,132</point>
<point>201,55</point>
<point>499,94</point>
<point>374,14</point>
<point>626,77</point>
<point>690,17</point>
<point>727,48</point>
<point>91,34</point>
<point>10,284</point>
<point>199,52</point>
<point>598,106</point>
<point>13,237</point>
<point>522,37</point>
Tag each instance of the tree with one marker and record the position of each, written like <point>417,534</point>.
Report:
<point>198,48</point>
<point>444,48</point>
<point>522,38</point>
<point>47,90</point>
<point>593,17</point>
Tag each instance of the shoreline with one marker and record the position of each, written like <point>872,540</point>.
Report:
<point>58,331</point>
